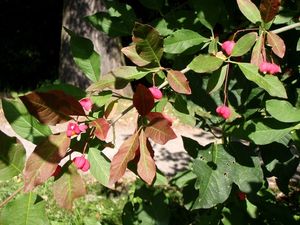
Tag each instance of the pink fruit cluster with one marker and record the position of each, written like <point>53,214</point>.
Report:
<point>86,104</point>
<point>156,93</point>
<point>223,111</point>
<point>81,163</point>
<point>271,68</point>
<point>228,46</point>
<point>74,129</point>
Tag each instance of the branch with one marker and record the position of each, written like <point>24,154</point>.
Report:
<point>286,28</point>
<point>11,197</point>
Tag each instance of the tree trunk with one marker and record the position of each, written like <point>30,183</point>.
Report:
<point>108,48</point>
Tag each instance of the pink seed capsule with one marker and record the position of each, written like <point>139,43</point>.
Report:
<point>223,111</point>
<point>86,166</point>
<point>86,104</point>
<point>79,161</point>
<point>156,93</point>
<point>228,46</point>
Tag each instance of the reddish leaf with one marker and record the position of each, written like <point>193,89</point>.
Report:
<point>257,55</point>
<point>277,44</point>
<point>178,82</point>
<point>160,131</point>
<point>52,107</point>
<point>68,187</point>
<point>268,9</point>
<point>130,52</point>
<point>42,163</point>
<point>143,100</point>
<point>157,115</point>
<point>102,127</point>
<point>120,160</point>
<point>146,166</point>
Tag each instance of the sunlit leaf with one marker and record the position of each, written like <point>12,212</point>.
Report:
<point>26,209</point>
<point>119,78</point>
<point>277,44</point>
<point>244,44</point>
<point>205,64</point>
<point>268,82</point>
<point>68,187</point>
<point>283,111</point>
<point>125,154</point>
<point>268,9</point>
<point>257,55</point>
<point>44,159</point>
<point>130,52</point>
<point>102,98</point>
<point>160,131</point>
<point>250,11</point>
<point>12,157</point>
<point>148,42</point>
<point>178,82</point>
<point>182,40</point>
<point>86,58</point>
<point>24,124</point>
<point>111,109</point>
<point>217,79</point>
<point>102,127</point>
<point>146,167</point>
<point>52,107</point>
<point>143,100</point>
<point>99,166</point>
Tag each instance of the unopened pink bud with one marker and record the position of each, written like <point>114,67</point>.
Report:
<point>227,47</point>
<point>79,161</point>
<point>223,111</point>
<point>86,166</point>
<point>156,93</point>
<point>86,104</point>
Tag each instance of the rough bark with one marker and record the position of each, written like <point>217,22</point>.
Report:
<point>108,48</point>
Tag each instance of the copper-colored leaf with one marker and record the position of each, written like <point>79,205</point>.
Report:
<point>52,107</point>
<point>44,159</point>
<point>160,131</point>
<point>146,166</point>
<point>102,127</point>
<point>277,44</point>
<point>68,187</point>
<point>143,100</point>
<point>157,115</point>
<point>130,52</point>
<point>120,160</point>
<point>178,82</point>
<point>257,54</point>
<point>268,9</point>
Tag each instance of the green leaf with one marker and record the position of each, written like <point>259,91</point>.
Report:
<point>277,44</point>
<point>217,170</point>
<point>99,166</point>
<point>43,161</point>
<point>283,111</point>
<point>130,52</point>
<point>178,82</point>
<point>267,131</point>
<point>149,44</point>
<point>244,44</point>
<point>217,79</point>
<point>86,58</point>
<point>249,10</point>
<point>205,64</point>
<point>27,209</point>
<point>68,187</point>
<point>23,123</point>
<point>153,4</point>
<point>269,83</point>
<point>119,78</point>
<point>182,40</point>
<point>102,98</point>
<point>12,157</point>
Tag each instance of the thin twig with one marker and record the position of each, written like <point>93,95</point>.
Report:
<point>286,28</point>
<point>122,114</point>
<point>11,197</point>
